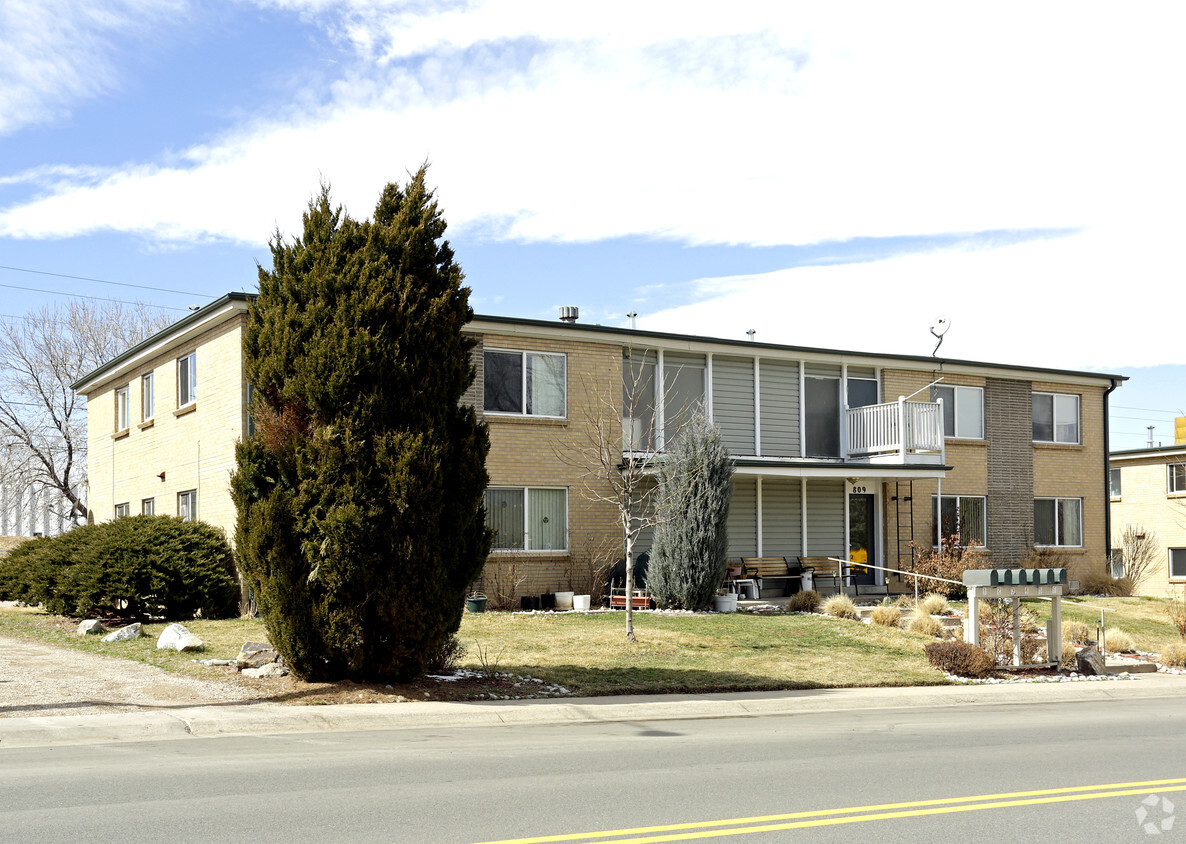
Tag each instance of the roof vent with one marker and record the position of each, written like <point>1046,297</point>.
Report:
<point>569,314</point>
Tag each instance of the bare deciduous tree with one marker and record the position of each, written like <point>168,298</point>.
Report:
<point>42,421</point>
<point>1139,553</point>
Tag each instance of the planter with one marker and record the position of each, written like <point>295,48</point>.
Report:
<point>725,603</point>
<point>580,602</point>
<point>529,602</point>
<point>547,601</point>
<point>564,600</point>
<point>476,603</point>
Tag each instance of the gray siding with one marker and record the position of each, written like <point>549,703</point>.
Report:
<point>830,370</point>
<point>782,515</point>
<point>1008,427</point>
<point>862,372</point>
<point>779,382</point>
<point>825,518</point>
<point>733,402</point>
<point>743,519</point>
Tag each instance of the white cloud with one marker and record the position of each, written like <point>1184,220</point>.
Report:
<point>59,52</point>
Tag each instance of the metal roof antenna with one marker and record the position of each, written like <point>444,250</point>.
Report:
<point>939,328</point>
<point>632,315</point>
<point>751,334</point>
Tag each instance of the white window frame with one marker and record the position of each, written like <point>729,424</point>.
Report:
<point>147,397</point>
<point>1175,486</point>
<point>121,409</point>
<point>190,496</point>
<point>1169,562</point>
<point>1055,418</point>
<point>527,521</point>
<point>190,364</point>
<point>960,396</point>
<point>1058,543</point>
<point>1116,487</point>
<point>122,511</point>
<point>523,353</point>
<point>937,517</point>
<point>148,506</point>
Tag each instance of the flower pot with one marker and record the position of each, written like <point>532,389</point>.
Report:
<point>476,603</point>
<point>580,602</point>
<point>547,601</point>
<point>529,602</point>
<point>564,600</point>
<point>725,603</point>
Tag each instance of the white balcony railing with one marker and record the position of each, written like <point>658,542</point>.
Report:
<point>902,427</point>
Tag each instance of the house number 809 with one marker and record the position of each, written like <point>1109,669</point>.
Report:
<point>860,490</point>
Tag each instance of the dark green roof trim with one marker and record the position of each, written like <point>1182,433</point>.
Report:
<point>1139,452</point>
<point>748,344</point>
<point>181,324</point>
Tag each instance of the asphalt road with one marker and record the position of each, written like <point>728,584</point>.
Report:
<point>821,776</point>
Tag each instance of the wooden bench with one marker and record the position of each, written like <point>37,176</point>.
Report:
<point>775,570</point>
<point>826,571</point>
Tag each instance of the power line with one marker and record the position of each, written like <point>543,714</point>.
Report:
<point>1146,409</point>
<point>100,281</point>
<point>87,296</point>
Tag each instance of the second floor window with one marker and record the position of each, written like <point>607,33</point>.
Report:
<point>121,409</point>
<point>1177,477</point>
<point>147,398</point>
<point>1114,483</point>
<point>524,383</point>
<point>963,410</point>
<point>187,379</point>
<point>1056,418</point>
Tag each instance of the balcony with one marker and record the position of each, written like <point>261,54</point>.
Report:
<point>897,432</point>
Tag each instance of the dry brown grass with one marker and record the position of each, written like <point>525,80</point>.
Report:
<point>1120,642</point>
<point>1174,655</point>
<point>933,604</point>
<point>886,616</point>
<point>840,606</point>
<point>1076,632</point>
<point>925,625</point>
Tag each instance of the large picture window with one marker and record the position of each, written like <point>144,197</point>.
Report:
<point>1056,418</point>
<point>1178,563</point>
<point>1058,521</point>
<point>528,518</point>
<point>1176,477</point>
<point>961,516</point>
<point>963,410</point>
<point>524,383</point>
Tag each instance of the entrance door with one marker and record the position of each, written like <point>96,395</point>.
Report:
<point>862,546</point>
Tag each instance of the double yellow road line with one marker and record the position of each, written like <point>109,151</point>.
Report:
<point>857,814</point>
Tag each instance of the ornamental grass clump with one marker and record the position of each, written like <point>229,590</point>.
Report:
<point>805,601</point>
<point>933,604</point>
<point>841,606</point>
<point>1068,661</point>
<point>925,625</point>
<point>1076,632</point>
<point>1174,655</point>
<point>886,616</point>
<point>1120,642</point>
<point>962,659</point>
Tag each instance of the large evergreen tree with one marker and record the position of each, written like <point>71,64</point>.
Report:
<point>688,553</point>
<point>360,493</point>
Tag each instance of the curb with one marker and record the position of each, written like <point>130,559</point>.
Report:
<point>270,719</point>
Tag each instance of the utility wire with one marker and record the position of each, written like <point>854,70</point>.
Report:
<point>100,281</point>
<point>88,296</point>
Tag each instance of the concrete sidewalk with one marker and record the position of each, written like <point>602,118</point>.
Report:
<point>238,719</point>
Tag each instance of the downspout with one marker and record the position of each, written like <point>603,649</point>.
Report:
<point>1108,484</point>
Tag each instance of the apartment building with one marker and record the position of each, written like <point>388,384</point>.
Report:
<point>837,453</point>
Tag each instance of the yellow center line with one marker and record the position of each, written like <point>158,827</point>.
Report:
<point>825,817</point>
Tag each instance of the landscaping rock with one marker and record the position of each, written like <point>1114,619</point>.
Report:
<point>256,654</point>
<point>176,637</point>
<point>1090,661</point>
<point>271,669</point>
<point>91,627</point>
<point>132,631</point>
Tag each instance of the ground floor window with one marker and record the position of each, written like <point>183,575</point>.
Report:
<point>1058,521</point>
<point>959,515</point>
<point>121,510</point>
<point>187,505</point>
<point>528,518</point>
<point>148,506</point>
<point>1178,563</point>
<point>1117,562</point>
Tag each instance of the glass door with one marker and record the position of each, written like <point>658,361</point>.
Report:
<point>862,538</point>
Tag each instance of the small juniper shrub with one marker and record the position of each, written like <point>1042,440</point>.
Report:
<point>933,604</point>
<point>925,625</point>
<point>805,601</point>
<point>1076,632</point>
<point>960,658</point>
<point>1174,655</point>
<point>841,606</point>
<point>887,616</point>
<point>1120,642</point>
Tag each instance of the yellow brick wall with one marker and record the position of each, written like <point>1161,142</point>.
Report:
<point>1145,501</point>
<point>193,446</point>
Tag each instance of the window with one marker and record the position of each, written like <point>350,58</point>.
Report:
<point>1056,418</point>
<point>862,392</point>
<point>147,398</point>
<point>121,510</point>
<point>187,379</point>
<point>822,416</point>
<point>960,515</point>
<point>638,401</point>
<point>121,409</point>
<point>1114,483</point>
<point>528,518</point>
<point>1176,477</point>
<point>963,410</point>
<point>525,383</point>
<point>1178,563</point>
<point>148,506</point>
<point>1116,562</point>
<point>187,505</point>
<point>683,394</point>
<point>1058,521</point>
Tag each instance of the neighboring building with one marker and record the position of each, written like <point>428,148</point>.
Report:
<point>1148,490</point>
<point>1012,457</point>
<point>28,510</point>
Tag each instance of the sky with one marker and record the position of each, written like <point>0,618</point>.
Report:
<point>835,175</point>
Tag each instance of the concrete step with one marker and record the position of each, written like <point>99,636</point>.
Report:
<point>1132,666</point>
